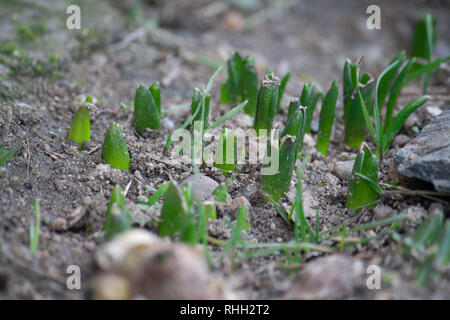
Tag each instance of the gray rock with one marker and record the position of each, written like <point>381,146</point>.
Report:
<point>343,169</point>
<point>427,157</point>
<point>382,212</point>
<point>203,187</point>
<point>328,277</point>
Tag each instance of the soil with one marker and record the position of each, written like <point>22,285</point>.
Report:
<point>109,58</point>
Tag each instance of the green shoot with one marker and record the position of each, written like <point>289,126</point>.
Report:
<point>242,83</point>
<point>35,227</point>
<point>118,218</point>
<point>294,103</point>
<point>158,194</point>
<point>5,156</point>
<point>80,128</point>
<point>355,127</point>
<point>296,126</point>
<point>226,153</point>
<point>230,249</point>
<point>430,244</point>
<point>308,99</point>
<point>147,108</point>
<point>326,118</point>
<point>283,84</point>
<point>278,184</point>
<point>200,107</point>
<point>220,192</point>
<point>173,211</point>
<point>361,191</point>
<point>423,43</point>
<point>267,102</point>
<point>290,144</point>
<point>115,151</point>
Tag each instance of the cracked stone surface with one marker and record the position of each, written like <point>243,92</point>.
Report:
<point>427,157</point>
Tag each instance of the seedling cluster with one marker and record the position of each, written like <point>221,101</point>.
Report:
<point>369,105</point>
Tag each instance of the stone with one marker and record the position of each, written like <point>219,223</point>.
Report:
<point>400,140</point>
<point>382,212</point>
<point>343,169</point>
<point>203,187</point>
<point>58,224</point>
<point>329,277</point>
<point>427,156</point>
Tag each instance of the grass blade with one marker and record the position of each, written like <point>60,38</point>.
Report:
<point>230,114</point>
<point>326,118</point>
<point>4,157</point>
<point>400,119</point>
<point>395,91</point>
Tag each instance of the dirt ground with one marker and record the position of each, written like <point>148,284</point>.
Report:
<point>110,57</point>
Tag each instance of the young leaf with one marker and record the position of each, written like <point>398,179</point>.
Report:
<point>443,255</point>
<point>118,218</point>
<point>283,84</point>
<point>385,79</point>
<point>115,151</point>
<point>355,126</point>
<point>80,128</point>
<point>423,43</point>
<point>395,91</point>
<point>226,152</point>
<point>211,81</point>
<point>35,227</point>
<point>326,118</point>
<point>173,211</point>
<point>5,156</point>
<point>267,103</point>
<point>147,114</point>
<point>155,90</point>
<point>158,194</point>
<point>360,192</point>
<point>296,127</point>
<point>200,107</point>
<point>294,103</point>
<point>308,99</point>
<point>426,68</point>
<point>400,119</point>
<point>278,184</point>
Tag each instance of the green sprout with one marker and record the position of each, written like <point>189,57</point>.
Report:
<point>35,228</point>
<point>242,83</point>
<point>266,106</point>
<point>290,144</point>
<point>355,127</point>
<point>80,130</point>
<point>118,218</point>
<point>423,43</point>
<point>282,88</point>
<point>147,108</point>
<point>326,118</point>
<point>173,210</point>
<point>363,189</point>
<point>200,107</point>
<point>178,215</point>
<point>381,134</point>
<point>226,153</point>
<point>5,156</point>
<point>294,103</point>
<point>308,99</point>
<point>115,151</point>
<point>200,112</point>
<point>430,245</point>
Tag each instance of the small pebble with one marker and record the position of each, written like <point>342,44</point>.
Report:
<point>59,224</point>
